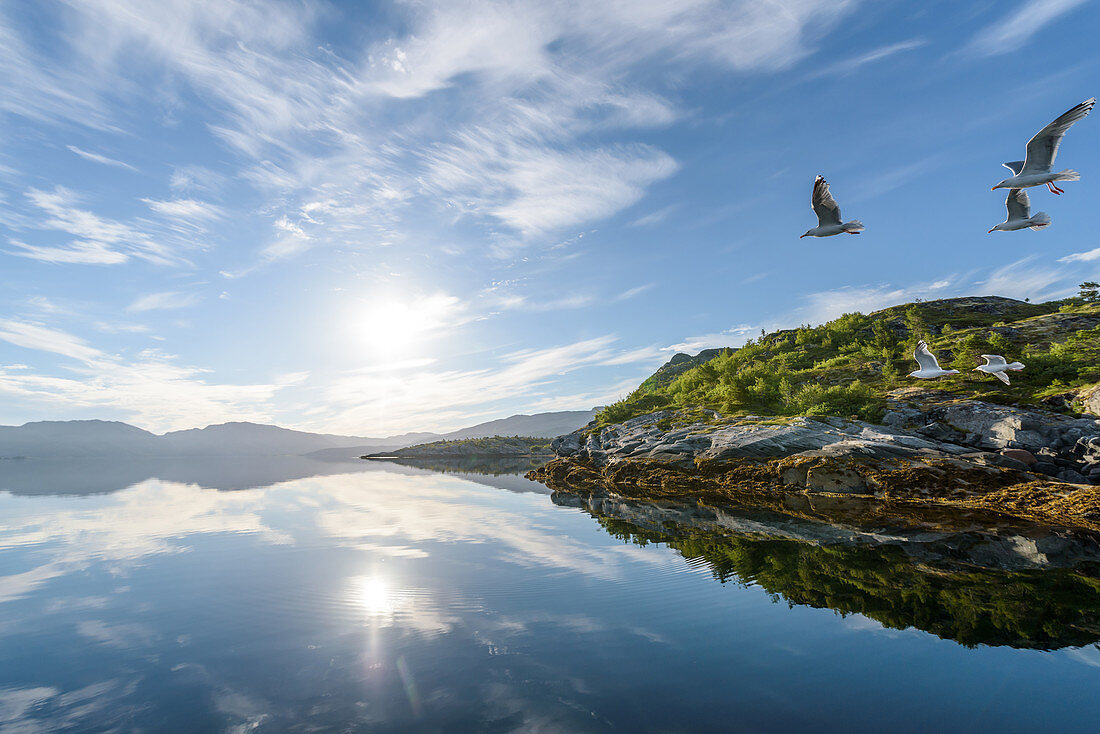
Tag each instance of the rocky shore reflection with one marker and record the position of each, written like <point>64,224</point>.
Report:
<point>992,584</point>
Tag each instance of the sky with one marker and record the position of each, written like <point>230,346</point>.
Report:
<point>369,218</point>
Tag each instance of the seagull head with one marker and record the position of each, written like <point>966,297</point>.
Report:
<point>808,233</point>
<point>1001,185</point>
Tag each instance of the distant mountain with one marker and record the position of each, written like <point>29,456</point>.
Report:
<point>95,438</point>
<point>539,425</point>
<point>253,439</point>
<point>76,438</point>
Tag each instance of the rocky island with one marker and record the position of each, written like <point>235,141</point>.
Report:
<point>494,447</point>
<point>828,412</point>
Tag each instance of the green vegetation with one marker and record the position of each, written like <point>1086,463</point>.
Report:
<point>492,446</point>
<point>848,366</point>
<point>1045,609</point>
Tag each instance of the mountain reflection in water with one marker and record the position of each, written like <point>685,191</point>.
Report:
<point>289,594</point>
<point>1028,587</point>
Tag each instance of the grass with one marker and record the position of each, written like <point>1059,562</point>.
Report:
<point>848,366</point>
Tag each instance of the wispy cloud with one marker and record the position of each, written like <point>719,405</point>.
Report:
<point>536,79</point>
<point>96,240</point>
<point>1024,278</point>
<point>99,158</point>
<point>163,301</point>
<point>151,390</point>
<point>848,66</point>
<point>733,337</point>
<point>1081,257</point>
<point>187,210</point>
<point>446,399</point>
<point>1014,30</point>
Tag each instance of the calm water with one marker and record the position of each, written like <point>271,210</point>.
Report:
<point>302,596</point>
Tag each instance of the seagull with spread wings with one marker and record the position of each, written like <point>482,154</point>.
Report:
<point>996,365</point>
<point>828,214</point>
<point>1019,214</point>
<point>1035,169</point>
<point>929,365</point>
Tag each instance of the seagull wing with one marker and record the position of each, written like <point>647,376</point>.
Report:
<point>1003,377</point>
<point>925,358</point>
<point>994,360</point>
<point>1018,205</point>
<point>1042,148</point>
<point>1014,166</point>
<point>823,203</point>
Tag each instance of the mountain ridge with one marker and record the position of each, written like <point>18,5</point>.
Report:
<point>96,437</point>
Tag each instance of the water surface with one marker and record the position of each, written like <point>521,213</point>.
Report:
<point>294,595</point>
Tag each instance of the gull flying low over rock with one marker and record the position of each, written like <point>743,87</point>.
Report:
<point>929,366</point>
<point>1019,214</point>
<point>1035,169</point>
<point>828,214</point>
<point>996,365</point>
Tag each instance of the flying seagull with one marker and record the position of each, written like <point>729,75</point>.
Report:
<point>1041,150</point>
<point>995,365</point>
<point>929,367</point>
<point>828,214</point>
<point>1019,214</point>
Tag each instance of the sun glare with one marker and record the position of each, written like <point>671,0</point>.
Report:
<point>395,328</point>
<point>375,597</point>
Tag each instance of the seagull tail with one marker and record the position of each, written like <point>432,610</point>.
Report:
<point>1067,175</point>
<point>854,226</point>
<point>1039,220</point>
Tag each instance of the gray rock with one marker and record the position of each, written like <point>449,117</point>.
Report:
<point>1046,467</point>
<point>1069,475</point>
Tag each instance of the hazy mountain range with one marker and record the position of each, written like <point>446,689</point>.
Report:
<point>61,439</point>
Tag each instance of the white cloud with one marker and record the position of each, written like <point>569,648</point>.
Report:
<point>99,158</point>
<point>151,390</point>
<point>732,337</point>
<point>536,78</point>
<point>189,210</point>
<point>1010,33</point>
<point>366,400</point>
<point>851,65</point>
<point>1081,257</point>
<point>163,301</point>
<point>97,240</point>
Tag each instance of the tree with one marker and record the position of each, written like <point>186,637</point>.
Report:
<point>914,322</point>
<point>1090,292</point>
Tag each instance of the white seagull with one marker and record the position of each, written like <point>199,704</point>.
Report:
<point>996,365</point>
<point>929,367</point>
<point>828,214</point>
<point>1034,170</point>
<point>1019,214</point>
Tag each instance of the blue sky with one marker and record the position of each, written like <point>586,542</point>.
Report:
<point>370,218</point>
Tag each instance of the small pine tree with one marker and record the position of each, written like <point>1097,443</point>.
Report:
<point>1090,292</point>
<point>915,323</point>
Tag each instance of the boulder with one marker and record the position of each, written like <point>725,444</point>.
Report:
<point>1090,399</point>
<point>1020,455</point>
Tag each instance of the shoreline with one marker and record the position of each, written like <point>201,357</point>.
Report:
<point>674,456</point>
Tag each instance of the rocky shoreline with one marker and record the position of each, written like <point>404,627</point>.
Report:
<point>930,450</point>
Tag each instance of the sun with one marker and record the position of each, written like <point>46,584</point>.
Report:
<point>396,326</point>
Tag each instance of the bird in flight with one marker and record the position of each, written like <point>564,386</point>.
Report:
<point>996,365</point>
<point>1035,169</point>
<point>1019,214</point>
<point>828,213</point>
<point>929,366</point>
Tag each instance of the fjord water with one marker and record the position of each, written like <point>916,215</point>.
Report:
<point>292,594</point>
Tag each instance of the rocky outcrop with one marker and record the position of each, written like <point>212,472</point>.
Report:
<point>967,454</point>
<point>1090,399</point>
